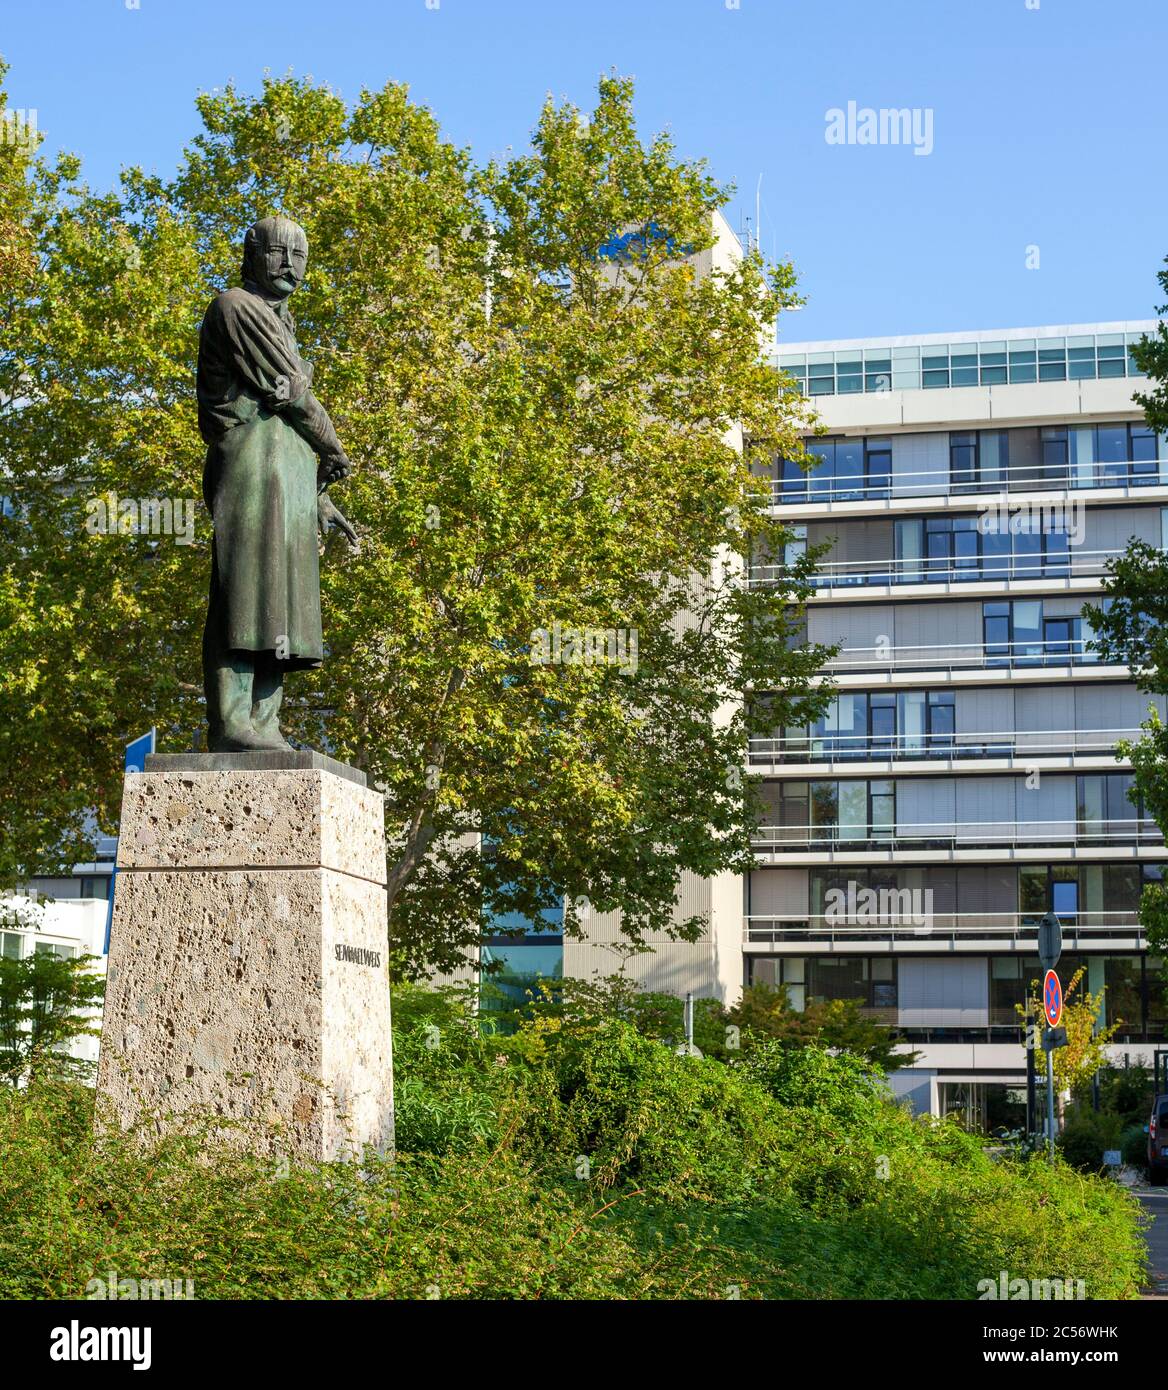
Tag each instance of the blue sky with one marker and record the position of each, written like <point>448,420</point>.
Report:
<point>1047,122</point>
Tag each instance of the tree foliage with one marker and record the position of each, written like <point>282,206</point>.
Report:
<point>1086,1049</point>
<point>543,433</point>
<point>46,1002</point>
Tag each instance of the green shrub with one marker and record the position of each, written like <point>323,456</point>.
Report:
<point>788,1174</point>
<point>1134,1143</point>
<point>1085,1136</point>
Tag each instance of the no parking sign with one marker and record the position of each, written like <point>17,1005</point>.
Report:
<point>1052,998</point>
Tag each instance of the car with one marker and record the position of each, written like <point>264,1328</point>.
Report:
<point>1158,1140</point>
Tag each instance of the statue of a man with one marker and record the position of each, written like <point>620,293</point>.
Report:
<point>271,449</point>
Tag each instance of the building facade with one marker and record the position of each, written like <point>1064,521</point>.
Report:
<point>970,489</point>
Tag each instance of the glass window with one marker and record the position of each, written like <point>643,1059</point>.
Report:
<point>996,631</point>
<point>963,458</point>
<point>878,460</point>
<point>1026,619</point>
<point>883,808</point>
<point>882,724</point>
<point>1143,454</point>
<point>1065,899</point>
<point>1032,892</point>
<point>911,715</point>
<point>793,810</point>
<point>1054,449</point>
<point>853,810</point>
<point>909,536</point>
<point>824,810</point>
<point>942,712</point>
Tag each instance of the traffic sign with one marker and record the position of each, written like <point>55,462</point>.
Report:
<point>1053,1038</point>
<point>1052,999</point>
<point>136,753</point>
<point>1050,941</point>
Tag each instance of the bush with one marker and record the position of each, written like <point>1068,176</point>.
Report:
<point>788,1174</point>
<point>1085,1136</point>
<point>1134,1143</point>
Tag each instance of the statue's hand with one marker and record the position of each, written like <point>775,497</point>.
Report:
<point>328,514</point>
<point>333,471</point>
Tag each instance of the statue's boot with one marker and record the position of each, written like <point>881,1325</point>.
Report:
<point>230,687</point>
<point>267,697</point>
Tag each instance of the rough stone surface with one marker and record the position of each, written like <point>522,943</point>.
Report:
<point>291,819</point>
<point>275,761</point>
<point>245,980</point>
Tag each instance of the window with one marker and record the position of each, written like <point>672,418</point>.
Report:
<point>1104,808</point>
<point>951,548</point>
<point>882,725</point>
<point>1054,444</point>
<point>927,722</point>
<point>870,983</point>
<point>824,811</point>
<point>784,971</point>
<point>963,469</point>
<point>1144,455</point>
<point>1061,638</point>
<point>841,731</point>
<point>878,463</point>
<point>793,811</point>
<point>1012,632</point>
<point>882,809</point>
<point>853,810</point>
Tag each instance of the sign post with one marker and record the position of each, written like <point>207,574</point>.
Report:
<point>1052,1007</point>
<point>1050,947</point>
<point>1050,941</point>
<point>135,762</point>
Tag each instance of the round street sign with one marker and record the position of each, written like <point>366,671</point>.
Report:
<point>1052,998</point>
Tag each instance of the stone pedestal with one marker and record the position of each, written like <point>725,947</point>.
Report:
<point>247,966</point>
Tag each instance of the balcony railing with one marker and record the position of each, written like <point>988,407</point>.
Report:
<point>958,482</point>
<point>1008,928</point>
<point>954,834</point>
<point>1008,743</point>
<point>834,574</point>
<point>961,656</point>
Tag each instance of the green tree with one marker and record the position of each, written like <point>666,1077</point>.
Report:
<point>542,423</point>
<point>1129,628</point>
<point>45,1004</point>
<point>838,1024</point>
<point>1086,1049</point>
<point>1151,357</point>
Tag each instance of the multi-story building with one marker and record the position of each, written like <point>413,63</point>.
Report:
<point>971,488</point>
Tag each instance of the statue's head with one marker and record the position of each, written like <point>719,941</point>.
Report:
<point>275,255</point>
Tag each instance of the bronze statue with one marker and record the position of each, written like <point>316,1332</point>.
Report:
<point>271,453</point>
